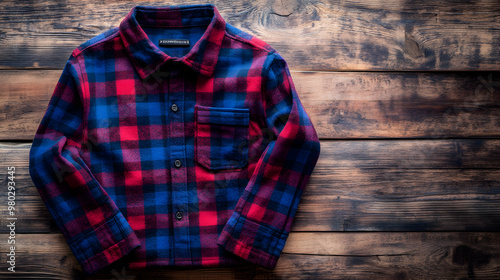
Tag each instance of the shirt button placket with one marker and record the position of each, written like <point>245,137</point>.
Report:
<point>180,214</point>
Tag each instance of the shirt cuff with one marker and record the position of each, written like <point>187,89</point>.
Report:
<point>251,241</point>
<point>105,244</point>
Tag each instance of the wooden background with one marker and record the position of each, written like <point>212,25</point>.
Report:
<point>405,97</point>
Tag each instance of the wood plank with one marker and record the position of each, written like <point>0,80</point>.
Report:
<point>342,105</point>
<point>326,255</point>
<point>25,96</point>
<point>381,185</point>
<point>401,105</point>
<point>311,35</point>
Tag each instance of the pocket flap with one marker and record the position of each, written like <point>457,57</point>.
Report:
<point>222,115</point>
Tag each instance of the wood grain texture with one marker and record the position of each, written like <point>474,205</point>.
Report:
<point>342,105</point>
<point>377,185</point>
<point>311,35</point>
<point>328,255</point>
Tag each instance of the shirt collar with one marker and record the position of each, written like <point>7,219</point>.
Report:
<point>147,57</point>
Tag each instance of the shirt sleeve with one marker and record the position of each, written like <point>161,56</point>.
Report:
<point>95,229</point>
<point>261,221</point>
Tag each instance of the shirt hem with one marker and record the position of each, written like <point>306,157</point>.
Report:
<point>203,262</point>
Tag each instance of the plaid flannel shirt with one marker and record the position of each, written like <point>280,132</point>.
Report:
<point>194,153</point>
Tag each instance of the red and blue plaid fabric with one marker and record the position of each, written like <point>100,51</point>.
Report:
<point>186,154</point>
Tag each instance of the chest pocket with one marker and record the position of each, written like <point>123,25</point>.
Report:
<point>221,137</point>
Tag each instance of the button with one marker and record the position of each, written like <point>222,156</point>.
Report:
<point>177,163</point>
<point>178,215</point>
<point>174,107</point>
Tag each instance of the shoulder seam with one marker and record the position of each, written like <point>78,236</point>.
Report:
<point>243,40</point>
<point>105,39</point>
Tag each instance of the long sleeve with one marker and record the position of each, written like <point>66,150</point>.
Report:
<point>262,219</point>
<point>95,229</point>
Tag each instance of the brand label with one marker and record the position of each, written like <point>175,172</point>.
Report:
<point>173,42</point>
